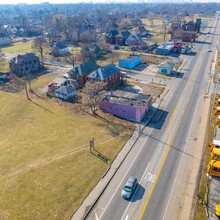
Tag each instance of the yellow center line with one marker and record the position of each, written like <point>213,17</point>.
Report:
<point>167,151</point>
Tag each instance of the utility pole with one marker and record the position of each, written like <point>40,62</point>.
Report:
<point>26,90</point>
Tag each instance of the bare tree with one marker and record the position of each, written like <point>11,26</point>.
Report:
<point>125,23</point>
<point>70,58</point>
<point>114,57</point>
<point>39,44</point>
<point>91,94</point>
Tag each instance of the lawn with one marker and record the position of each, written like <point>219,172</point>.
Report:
<point>18,48</point>
<point>4,66</point>
<point>46,168</point>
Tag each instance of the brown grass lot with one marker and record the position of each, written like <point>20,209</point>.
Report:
<point>46,169</point>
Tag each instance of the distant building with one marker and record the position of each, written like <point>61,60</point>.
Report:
<point>91,51</point>
<point>121,37</point>
<point>4,39</point>
<point>165,68</point>
<point>81,71</point>
<point>164,49</point>
<point>59,49</point>
<point>180,34</point>
<point>186,32</point>
<point>24,64</point>
<point>127,105</point>
<point>130,62</point>
<point>110,36</point>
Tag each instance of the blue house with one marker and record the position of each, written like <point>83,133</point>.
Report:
<point>130,62</point>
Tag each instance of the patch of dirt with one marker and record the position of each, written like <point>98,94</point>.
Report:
<point>146,88</point>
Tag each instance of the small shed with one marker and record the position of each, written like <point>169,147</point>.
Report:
<point>130,62</point>
<point>165,68</point>
<point>65,92</point>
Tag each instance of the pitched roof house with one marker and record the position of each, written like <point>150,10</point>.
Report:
<point>81,71</point>
<point>135,41</point>
<point>23,64</point>
<point>92,50</point>
<point>165,68</point>
<point>109,74</point>
<point>65,92</point>
<point>121,37</point>
<point>59,49</point>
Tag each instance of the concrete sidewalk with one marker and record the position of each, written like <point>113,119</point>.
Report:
<point>96,193</point>
<point>189,204</point>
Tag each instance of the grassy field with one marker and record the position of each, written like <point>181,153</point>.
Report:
<point>4,66</point>
<point>46,169</point>
<point>18,48</point>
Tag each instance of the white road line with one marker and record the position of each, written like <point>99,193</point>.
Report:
<point>150,177</point>
<point>181,160</point>
<point>100,207</point>
<point>124,176</point>
<point>127,217</point>
<point>96,216</point>
<point>135,191</point>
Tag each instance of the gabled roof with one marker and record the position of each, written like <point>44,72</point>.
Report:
<point>66,89</point>
<point>88,67</point>
<point>60,45</point>
<point>167,65</point>
<point>104,72</point>
<point>24,58</point>
<point>109,70</point>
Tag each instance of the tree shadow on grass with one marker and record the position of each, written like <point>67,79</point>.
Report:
<point>114,128</point>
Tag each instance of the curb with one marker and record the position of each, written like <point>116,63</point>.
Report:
<point>136,134</point>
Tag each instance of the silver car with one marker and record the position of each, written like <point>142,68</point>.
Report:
<point>129,188</point>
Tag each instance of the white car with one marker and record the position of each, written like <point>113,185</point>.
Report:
<point>209,50</point>
<point>129,188</point>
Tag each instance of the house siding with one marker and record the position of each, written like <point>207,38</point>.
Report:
<point>129,64</point>
<point>123,111</point>
<point>65,96</point>
<point>21,69</point>
<point>114,80</point>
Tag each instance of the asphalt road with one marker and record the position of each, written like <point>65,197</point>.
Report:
<point>161,157</point>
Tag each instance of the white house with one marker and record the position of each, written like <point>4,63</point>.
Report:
<point>65,92</point>
<point>165,68</point>
<point>59,49</point>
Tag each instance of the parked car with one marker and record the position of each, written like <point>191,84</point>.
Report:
<point>123,73</point>
<point>209,50</point>
<point>129,188</point>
